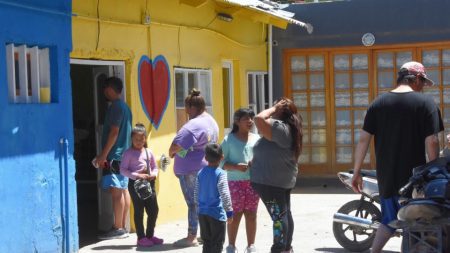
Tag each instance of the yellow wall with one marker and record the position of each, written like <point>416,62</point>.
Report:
<point>187,37</point>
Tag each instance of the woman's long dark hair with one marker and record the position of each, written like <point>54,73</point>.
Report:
<point>290,116</point>
<point>240,113</point>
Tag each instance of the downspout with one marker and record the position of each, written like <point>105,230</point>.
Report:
<point>147,22</point>
<point>270,63</point>
<point>64,191</point>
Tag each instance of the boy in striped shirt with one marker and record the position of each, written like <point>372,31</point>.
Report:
<point>213,199</point>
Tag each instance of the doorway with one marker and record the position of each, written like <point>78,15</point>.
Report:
<point>89,107</point>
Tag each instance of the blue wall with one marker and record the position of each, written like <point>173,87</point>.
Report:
<point>38,192</point>
<point>343,23</point>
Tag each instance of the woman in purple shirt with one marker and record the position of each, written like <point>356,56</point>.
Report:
<point>188,151</point>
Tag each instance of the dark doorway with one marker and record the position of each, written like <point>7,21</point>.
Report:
<point>84,100</point>
<point>89,107</point>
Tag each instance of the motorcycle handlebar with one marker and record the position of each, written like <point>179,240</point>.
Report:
<point>405,188</point>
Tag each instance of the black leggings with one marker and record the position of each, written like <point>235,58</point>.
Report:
<point>151,208</point>
<point>278,203</point>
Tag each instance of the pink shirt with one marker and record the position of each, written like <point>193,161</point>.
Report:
<point>134,162</point>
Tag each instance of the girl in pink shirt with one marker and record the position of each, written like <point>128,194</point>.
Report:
<point>138,162</point>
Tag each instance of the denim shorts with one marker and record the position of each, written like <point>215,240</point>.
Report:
<point>112,177</point>
<point>389,210</point>
<point>114,180</point>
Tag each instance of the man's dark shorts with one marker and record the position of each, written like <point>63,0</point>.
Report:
<point>389,210</point>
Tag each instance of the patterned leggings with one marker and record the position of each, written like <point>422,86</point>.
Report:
<point>278,204</point>
<point>187,183</point>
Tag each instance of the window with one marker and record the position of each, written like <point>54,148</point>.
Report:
<point>307,84</point>
<point>387,66</point>
<point>28,71</point>
<point>186,80</point>
<point>333,88</point>
<point>351,99</point>
<point>437,64</point>
<point>259,96</point>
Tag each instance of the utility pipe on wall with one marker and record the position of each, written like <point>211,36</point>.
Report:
<point>64,191</point>
<point>270,69</point>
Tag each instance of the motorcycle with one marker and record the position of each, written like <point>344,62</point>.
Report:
<point>356,222</point>
<point>425,218</point>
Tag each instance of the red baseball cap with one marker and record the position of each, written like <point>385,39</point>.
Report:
<point>414,68</point>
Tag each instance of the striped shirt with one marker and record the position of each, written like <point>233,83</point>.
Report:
<point>212,194</point>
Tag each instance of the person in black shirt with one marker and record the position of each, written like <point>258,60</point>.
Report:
<point>405,124</point>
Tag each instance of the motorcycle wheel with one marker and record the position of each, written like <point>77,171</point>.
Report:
<point>355,238</point>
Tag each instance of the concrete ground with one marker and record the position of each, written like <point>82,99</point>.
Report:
<point>313,205</point>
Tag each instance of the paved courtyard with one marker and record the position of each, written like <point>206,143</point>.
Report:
<point>312,208</point>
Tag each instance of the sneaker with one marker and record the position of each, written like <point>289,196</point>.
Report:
<point>182,243</point>
<point>231,249</point>
<point>251,249</point>
<point>115,233</point>
<point>156,240</point>
<point>145,242</point>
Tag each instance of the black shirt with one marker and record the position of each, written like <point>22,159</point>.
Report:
<point>400,123</point>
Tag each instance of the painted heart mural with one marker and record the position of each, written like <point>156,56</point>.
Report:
<point>154,87</point>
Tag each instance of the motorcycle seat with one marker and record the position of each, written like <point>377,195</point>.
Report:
<point>367,173</point>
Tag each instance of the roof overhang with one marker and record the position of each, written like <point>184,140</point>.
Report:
<point>257,10</point>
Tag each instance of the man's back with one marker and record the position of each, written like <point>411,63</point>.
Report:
<point>400,123</point>
<point>119,115</point>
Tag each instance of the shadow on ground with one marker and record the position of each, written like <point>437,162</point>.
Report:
<point>114,247</point>
<point>161,248</point>
<point>155,248</point>
<point>341,250</point>
<point>320,185</point>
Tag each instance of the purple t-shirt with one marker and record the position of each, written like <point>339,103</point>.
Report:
<point>193,137</point>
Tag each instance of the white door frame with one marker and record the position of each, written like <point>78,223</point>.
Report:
<point>112,68</point>
<point>228,64</point>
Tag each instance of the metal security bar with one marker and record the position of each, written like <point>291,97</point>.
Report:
<point>28,71</point>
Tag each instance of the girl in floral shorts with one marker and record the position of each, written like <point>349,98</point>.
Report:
<point>238,152</point>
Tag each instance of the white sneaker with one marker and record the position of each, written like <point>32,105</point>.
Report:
<point>251,249</point>
<point>231,249</point>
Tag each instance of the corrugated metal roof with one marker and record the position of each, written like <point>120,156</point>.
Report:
<point>274,10</point>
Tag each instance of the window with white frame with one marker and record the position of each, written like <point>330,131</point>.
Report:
<point>28,71</point>
<point>259,92</point>
<point>186,80</point>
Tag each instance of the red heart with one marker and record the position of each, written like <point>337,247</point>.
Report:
<point>154,87</point>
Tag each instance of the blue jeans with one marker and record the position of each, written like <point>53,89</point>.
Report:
<point>187,183</point>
